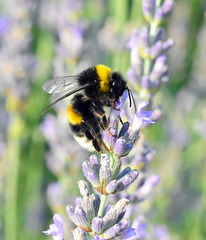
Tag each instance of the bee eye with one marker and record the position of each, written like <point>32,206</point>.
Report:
<point>113,84</point>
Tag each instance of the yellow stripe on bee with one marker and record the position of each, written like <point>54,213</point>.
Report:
<point>72,116</point>
<point>104,77</point>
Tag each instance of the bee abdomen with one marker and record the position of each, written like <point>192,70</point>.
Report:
<point>73,117</point>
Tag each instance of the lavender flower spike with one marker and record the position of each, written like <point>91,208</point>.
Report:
<point>56,229</point>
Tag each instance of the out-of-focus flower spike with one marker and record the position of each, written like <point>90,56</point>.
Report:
<point>56,229</point>
<point>79,234</point>
<point>84,188</point>
<point>97,225</point>
<point>90,174</point>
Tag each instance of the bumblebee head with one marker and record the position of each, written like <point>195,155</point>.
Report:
<point>117,85</point>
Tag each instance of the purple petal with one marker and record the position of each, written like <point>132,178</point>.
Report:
<point>56,229</point>
<point>130,234</point>
<point>142,104</point>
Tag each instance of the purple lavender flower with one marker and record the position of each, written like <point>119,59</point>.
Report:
<point>56,229</point>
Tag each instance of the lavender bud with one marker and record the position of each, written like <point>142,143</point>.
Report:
<point>105,160</point>
<point>84,188</point>
<point>111,187</point>
<point>159,69</point>
<point>115,214</point>
<point>146,83</point>
<point>87,205</point>
<point>157,114</point>
<point>128,179</point>
<point>124,172</point>
<point>90,174</point>
<point>109,139</point>
<point>79,234</point>
<point>78,202</point>
<point>71,214</point>
<point>147,9</point>
<point>82,219</point>
<point>111,232</point>
<point>156,49</point>
<point>97,225</point>
<point>105,175</point>
<point>160,34</point>
<point>122,148</point>
<point>123,129</point>
<point>144,39</point>
<point>124,224</point>
<point>94,161</point>
<point>168,44</point>
<point>158,16</point>
<point>117,168</point>
<point>96,202</point>
<point>167,7</point>
<point>106,209</point>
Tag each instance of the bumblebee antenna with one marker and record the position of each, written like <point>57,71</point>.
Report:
<point>65,96</point>
<point>131,99</point>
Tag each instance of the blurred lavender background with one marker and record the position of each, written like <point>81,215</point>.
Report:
<point>40,161</point>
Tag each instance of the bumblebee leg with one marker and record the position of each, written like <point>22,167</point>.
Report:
<point>89,135</point>
<point>97,109</point>
<point>97,146</point>
<point>104,123</point>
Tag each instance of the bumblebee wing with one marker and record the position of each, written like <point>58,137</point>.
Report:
<point>60,85</point>
<point>79,88</point>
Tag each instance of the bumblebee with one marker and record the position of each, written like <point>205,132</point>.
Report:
<point>86,116</point>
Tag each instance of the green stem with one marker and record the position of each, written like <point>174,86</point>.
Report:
<point>102,205</point>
